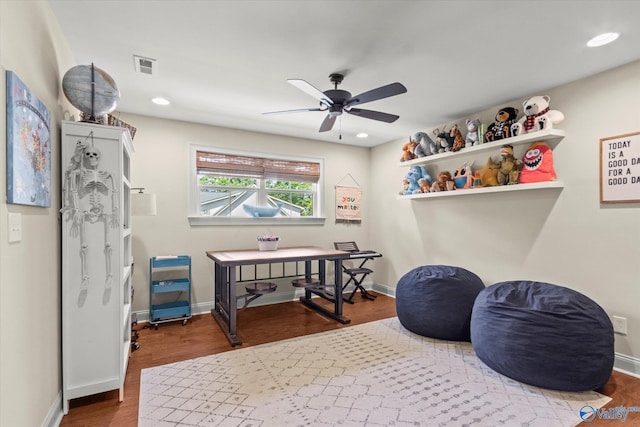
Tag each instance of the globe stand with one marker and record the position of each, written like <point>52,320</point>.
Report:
<point>92,117</point>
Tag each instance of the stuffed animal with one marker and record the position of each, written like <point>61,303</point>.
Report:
<point>509,166</point>
<point>413,176</point>
<point>424,185</point>
<point>463,177</point>
<point>458,140</point>
<point>537,116</point>
<point>407,151</point>
<point>501,127</point>
<point>488,174</point>
<point>472,137</point>
<point>425,145</point>
<point>444,182</point>
<point>405,186</point>
<point>443,139</point>
<point>537,164</point>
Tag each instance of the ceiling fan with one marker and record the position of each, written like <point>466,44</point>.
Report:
<point>336,101</point>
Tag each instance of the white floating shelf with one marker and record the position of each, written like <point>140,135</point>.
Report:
<point>551,136</point>
<point>485,190</point>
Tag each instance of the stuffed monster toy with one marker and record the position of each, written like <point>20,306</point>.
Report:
<point>501,127</point>
<point>472,133</point>
<point>425,145</point>
<point>537,116</point>
<point>444,140</point>
<point>537,164</point>
<point>413,176</point>
<point>509,166</point>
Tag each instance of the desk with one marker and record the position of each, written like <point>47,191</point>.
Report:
<point>225,263</point>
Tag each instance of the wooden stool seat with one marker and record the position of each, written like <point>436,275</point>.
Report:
<point>304,282</point>
<point>261,288</point>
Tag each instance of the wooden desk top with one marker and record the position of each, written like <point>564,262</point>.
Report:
<point>254,256</point>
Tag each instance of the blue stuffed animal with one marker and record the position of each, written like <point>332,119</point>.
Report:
<point>425,147</point>
<point>415,173</point>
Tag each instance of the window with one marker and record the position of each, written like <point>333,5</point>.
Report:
<point>233,187</point>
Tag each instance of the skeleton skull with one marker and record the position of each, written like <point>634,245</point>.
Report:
<point>92,156</point>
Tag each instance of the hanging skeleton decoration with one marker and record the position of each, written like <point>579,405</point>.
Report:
<point>84,187</point>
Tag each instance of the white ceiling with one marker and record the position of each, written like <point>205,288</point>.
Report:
<point>225,62</point>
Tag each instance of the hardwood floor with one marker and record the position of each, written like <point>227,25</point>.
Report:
<point>173,342</point>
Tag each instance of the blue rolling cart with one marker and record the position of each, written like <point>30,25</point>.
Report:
<point>169,274</point>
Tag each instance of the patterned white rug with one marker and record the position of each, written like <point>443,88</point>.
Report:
<point>375,374</point>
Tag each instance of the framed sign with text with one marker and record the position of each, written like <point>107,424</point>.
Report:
<point>620,168</point>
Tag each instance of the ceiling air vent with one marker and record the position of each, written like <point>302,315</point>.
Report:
<point>145,65</point>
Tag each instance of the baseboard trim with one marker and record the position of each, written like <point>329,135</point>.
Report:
<point>627,365</point>
<point>54,416</point>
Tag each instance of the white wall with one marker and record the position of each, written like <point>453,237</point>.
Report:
<point>31,45</point>
<point>160,164</point>
<point>565,237</point>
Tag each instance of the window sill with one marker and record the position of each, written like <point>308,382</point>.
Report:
<point>213,221</point>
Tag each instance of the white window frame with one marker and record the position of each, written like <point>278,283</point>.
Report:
<point>194,193</point>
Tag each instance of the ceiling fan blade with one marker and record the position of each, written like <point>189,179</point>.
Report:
<point>301,110</point>
<point>327,123</point>
<point>378,93</point>
<point>375,115</point>
<point>311,90</point>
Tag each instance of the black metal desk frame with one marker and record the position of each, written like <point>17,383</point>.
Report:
<point>225,277</point>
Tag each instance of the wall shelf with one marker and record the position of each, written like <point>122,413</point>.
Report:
<point>551,136</point>
<point>486,190</point>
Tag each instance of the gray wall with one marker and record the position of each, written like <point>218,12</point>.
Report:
<point>565,237</point>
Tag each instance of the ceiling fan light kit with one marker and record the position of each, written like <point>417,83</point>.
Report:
<point>336,101</point>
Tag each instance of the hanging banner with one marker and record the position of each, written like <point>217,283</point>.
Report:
<point>348,202</point>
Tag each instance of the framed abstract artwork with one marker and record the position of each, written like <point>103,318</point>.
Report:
<point>28,146</point>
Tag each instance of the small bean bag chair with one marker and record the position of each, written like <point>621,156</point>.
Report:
<point>436,301</point>
<point>543,335</point>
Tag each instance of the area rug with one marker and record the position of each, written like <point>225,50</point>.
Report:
<point>374,374</point>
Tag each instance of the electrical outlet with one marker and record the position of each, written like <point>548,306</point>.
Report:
<point>15,227</point>
<point>620,325</point>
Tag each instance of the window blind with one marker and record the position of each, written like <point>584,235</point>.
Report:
<point>256,167</point>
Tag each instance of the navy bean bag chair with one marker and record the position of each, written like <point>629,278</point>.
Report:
<point>436,301</point>
<point>544,335</point>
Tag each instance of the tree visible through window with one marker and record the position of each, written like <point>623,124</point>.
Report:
<point>232,185</point>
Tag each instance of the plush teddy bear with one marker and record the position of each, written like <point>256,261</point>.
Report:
<point>537,116</point>
<point>425,145</point>
<point>407,150</point>
<point>509,166</point>
<point>501,127</point>
<point>444,182</point>
<point>472,137</point>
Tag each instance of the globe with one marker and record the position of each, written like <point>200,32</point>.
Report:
<point>77,87</point>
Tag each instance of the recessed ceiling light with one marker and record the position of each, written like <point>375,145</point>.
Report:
<point>160,101</point>
<point>362,135</point>
<point>602,39</point>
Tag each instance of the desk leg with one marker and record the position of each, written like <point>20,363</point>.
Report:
<point>336,314</point>
<point>225,309</point>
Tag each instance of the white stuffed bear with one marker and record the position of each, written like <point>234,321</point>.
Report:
<point>537,116</point>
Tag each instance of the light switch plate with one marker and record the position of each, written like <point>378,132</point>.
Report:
<point>15,227</point>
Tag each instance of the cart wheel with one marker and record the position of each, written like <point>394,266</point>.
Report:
<point>184,322</point>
